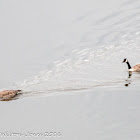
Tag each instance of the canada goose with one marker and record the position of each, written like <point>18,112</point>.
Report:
<point>8,94</point>
<point>135,68</point>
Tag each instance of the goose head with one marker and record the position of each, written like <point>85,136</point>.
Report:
<point>125,60</point>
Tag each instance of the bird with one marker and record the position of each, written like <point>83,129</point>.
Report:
<point>136,68</point>
<point>9,94</point>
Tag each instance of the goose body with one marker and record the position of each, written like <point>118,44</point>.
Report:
<point>8,94</point>
<point>136,68</point>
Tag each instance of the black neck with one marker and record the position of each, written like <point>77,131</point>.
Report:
<point>129,67</point>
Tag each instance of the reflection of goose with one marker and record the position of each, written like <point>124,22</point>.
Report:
<point>8,94</point>
<point>128,79</point>
<point>135,68</point>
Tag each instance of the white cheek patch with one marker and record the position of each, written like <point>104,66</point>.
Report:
<point>126,61</point>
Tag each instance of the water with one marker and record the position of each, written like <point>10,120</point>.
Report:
<point>67,58</point>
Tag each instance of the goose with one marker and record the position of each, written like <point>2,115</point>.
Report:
<point>8,94</point>
<point>136,68</point>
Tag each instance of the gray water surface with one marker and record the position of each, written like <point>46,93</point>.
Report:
<point>66,57</point>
